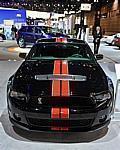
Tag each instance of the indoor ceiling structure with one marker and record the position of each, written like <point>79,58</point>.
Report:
<point>58,6</point>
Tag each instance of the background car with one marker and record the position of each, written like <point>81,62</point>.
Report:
<point>110,39</point>
<point>30,34</point>
<point>60,87</point>
<point>117,41</point>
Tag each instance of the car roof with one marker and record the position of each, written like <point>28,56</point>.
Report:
<point>36,26</point>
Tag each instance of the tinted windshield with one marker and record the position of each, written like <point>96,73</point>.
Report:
<point>49,29</point>
<point>68,51</point>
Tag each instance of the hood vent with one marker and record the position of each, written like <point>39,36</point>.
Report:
<point>61,77</point>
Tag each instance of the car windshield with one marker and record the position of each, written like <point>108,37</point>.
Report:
<point>49,29</point>
<point>68,51</point>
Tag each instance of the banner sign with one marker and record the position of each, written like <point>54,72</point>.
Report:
<point>19,16</point>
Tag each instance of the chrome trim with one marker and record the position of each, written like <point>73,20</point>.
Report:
<point>61,77</point>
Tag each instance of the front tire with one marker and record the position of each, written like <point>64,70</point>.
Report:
<point>21,43</point>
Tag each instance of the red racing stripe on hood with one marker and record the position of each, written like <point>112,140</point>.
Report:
<point>55,112</point>
<point>65,90</point>
<point>56,83</point>
<point>65,84</point>
<point>60,88</point>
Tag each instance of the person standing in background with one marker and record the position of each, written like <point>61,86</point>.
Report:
<point>13,32</point>
<point>97,35</point>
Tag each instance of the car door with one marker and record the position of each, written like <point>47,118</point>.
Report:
<point>30,34</point>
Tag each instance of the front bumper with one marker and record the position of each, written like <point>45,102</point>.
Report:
<point>40,120</point>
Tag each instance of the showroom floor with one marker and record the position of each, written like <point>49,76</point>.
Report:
<point>14,139</point>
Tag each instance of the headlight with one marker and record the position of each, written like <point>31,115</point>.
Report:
<point>101,96</point>
<point>17,95</point>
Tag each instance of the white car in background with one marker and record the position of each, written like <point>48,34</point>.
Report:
<point>110,38</point>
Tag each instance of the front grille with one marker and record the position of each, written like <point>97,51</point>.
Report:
<point>63,102</point>
<point>60,123</point>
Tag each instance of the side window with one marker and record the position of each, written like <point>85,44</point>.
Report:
<point>30,29</point>
<point>37,30</point>
<point>23,29</point>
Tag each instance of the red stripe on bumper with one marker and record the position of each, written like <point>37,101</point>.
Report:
<point>64,113</point>
<point>55,113</point>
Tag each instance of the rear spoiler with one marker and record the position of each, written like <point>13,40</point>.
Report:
<point>61,77</point>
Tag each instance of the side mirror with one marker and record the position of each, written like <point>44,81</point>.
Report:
<point>99,56</point>
<point>22,55</point>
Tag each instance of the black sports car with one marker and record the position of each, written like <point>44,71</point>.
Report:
<point>60,87</point>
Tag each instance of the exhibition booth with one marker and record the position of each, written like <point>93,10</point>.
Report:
<point>9,17</point>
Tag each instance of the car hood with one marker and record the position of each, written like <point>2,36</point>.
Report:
<point>31,78</point>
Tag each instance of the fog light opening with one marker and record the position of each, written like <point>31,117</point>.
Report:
<point>17,117</point>
<point>102,118</point>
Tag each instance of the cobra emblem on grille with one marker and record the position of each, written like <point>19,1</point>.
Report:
<point>39,100</point>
